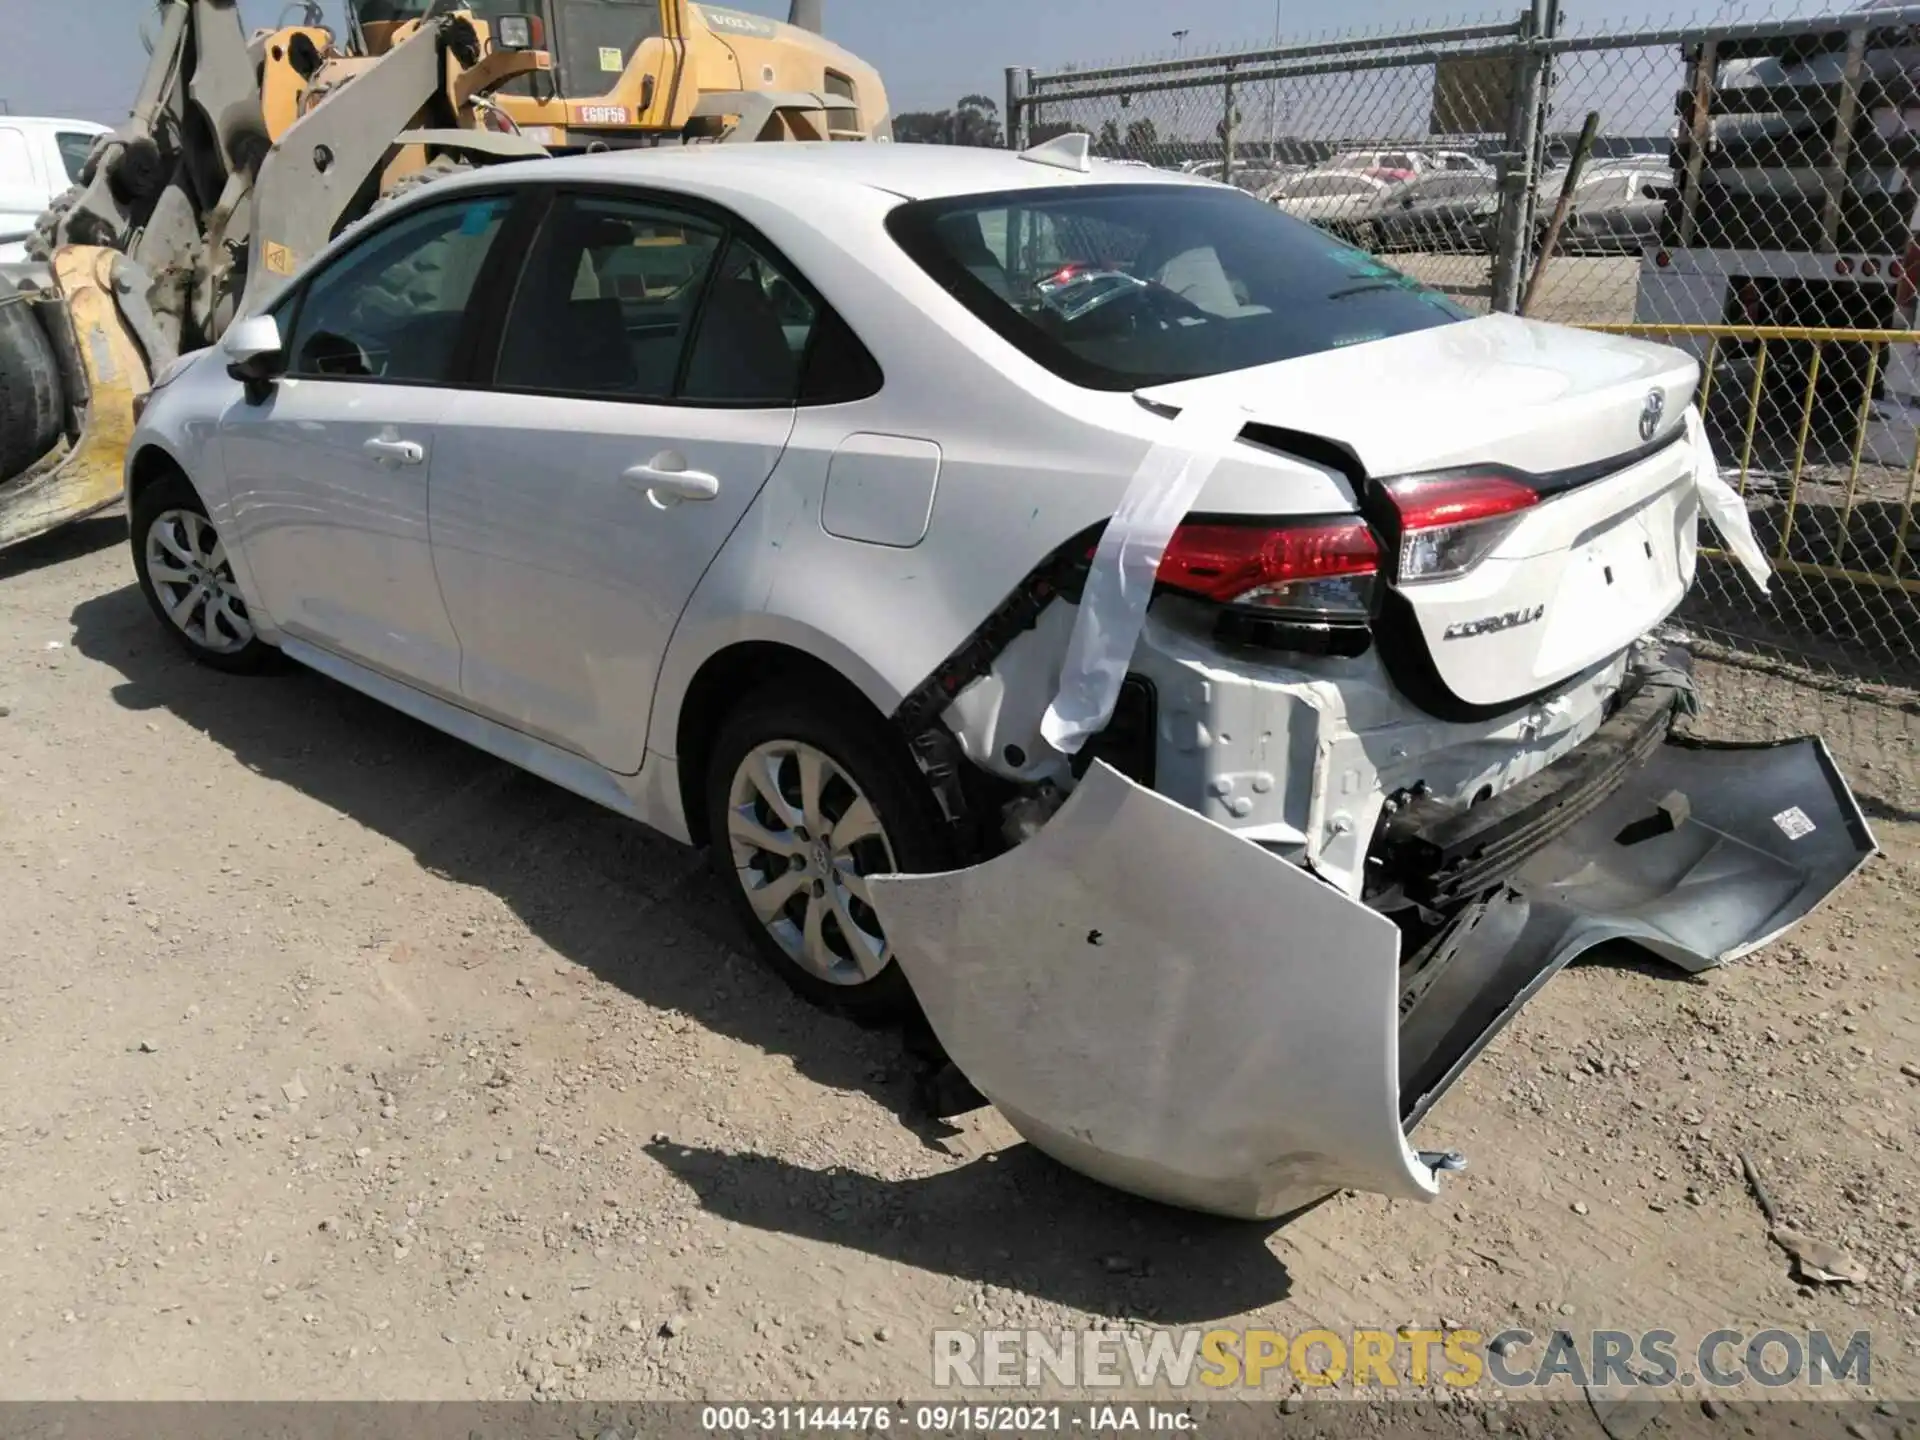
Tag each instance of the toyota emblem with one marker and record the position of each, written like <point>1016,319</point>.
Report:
<point>1651,412</point>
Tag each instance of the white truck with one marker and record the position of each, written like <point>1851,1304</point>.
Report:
<point>1794,205</point>
<point>40,158</point>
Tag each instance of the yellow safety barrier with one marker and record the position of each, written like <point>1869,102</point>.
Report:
<point>1763,337</point>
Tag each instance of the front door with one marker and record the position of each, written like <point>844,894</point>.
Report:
<point>645,389</point>
<point>328,471</point>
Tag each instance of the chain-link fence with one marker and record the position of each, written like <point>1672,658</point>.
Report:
<point>1744,191</point>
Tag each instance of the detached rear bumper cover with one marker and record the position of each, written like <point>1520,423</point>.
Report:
<point>1175,1011</point>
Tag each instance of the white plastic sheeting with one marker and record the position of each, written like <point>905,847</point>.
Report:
<point>1113,603</point>
<point>1722,504</point>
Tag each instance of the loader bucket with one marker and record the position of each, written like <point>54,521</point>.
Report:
<point>86,476</point>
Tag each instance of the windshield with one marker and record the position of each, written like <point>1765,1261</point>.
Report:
<point>1118,287</point>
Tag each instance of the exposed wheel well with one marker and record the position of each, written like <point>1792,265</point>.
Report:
<point>727,678</point>
<point>151,464</point>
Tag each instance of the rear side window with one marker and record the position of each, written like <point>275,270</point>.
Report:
<point>753,336</point>
<point>607,300</point>
<point>392,307</point>
<point>1118,287</point>
<point>74,147</point>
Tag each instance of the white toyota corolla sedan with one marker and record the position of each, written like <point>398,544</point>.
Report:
<point>1203,670</point>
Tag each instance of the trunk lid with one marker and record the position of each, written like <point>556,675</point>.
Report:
<point>1583,417</point>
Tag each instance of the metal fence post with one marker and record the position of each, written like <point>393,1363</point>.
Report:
<point>1518,163</point>
<point>1019,78</point>
<point>1227,127</point>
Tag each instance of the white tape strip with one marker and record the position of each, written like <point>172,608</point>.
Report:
<point>1723,504</point>
<point>1113,602</point>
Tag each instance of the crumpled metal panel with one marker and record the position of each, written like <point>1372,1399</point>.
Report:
<point>1167,1007</point>
<point>1179,1013</point>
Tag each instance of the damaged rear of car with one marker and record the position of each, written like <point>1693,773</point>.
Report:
<point>1312,786</point>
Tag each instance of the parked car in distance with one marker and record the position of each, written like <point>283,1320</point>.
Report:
<point>1252,176</point>
<point>40,159</point>
<point>763,494</point>
<point>1445,213</point>
<point>1616,208</point>
<point>1409,163</point>
<point>1341,203</point>
<point>1388,165</point>
<point>1614,212</point>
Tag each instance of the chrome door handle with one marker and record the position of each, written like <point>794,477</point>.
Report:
<point>402,452</point>
<point>666,488</point>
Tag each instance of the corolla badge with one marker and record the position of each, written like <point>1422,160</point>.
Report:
<point>1492,624</point>
<point>1651,412</point>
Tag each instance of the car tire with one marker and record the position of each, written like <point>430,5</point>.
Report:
<point>188,580</point>
<point>788,882</point>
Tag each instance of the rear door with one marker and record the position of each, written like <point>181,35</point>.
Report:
<point>645,387</point>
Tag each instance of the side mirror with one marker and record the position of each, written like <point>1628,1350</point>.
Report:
<point>254,356</point>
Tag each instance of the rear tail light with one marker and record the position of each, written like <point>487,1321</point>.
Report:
<point>1449,523</point>
<point>1321,569</point>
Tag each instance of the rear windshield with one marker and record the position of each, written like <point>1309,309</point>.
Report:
<point>1122,286</point>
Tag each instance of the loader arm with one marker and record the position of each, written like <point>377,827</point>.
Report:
<point>314,172</point>
<point>200,85</point>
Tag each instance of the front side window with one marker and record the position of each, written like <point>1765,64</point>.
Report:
<point>74,147</point>
<point>1117,287</point>
<point>392,307</point>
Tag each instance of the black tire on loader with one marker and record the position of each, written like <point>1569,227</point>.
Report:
<point>30,391</point>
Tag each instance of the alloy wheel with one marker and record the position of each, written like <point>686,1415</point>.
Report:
<point>804,839</point>
<point>188,567</point>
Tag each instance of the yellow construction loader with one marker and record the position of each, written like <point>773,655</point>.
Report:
<point>644,72</point>
<point>234,168</point>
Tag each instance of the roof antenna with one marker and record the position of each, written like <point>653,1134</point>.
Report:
<point>1063,152</point>
<point>805,15</point>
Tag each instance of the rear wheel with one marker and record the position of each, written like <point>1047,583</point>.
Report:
<point>30,395</point>
<point>806,799</point>
<point>187,577</point>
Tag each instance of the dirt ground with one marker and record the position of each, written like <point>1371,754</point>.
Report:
<point>340,1060</point>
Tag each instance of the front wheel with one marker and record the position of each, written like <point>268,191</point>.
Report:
<point>805,800</point>
<point>185,574</point>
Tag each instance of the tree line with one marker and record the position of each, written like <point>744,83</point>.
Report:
<point>975,120</point>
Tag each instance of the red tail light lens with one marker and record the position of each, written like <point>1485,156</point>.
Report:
<point>1311,568</point>
<point>1449,523</point>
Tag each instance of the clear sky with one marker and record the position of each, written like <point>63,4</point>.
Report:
<point>82,58</point>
